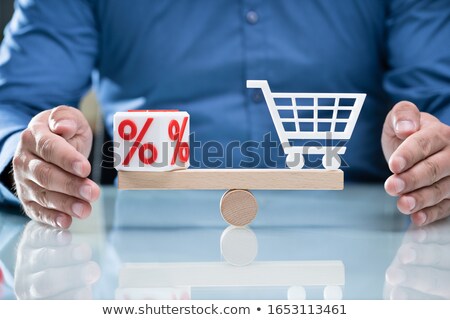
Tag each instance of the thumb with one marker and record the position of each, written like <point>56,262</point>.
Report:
<point>404,119</point>
<point>71,124</point>
<point>66,122</point>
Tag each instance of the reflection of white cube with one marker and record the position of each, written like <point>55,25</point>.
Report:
<point>160,147</point>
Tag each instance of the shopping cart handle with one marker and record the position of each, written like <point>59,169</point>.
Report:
<point>262,84</point>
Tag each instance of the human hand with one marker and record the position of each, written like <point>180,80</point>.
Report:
<point>51,167</point>
<point>417,148</point>
<point>421,267</point>
<point>50,266</point>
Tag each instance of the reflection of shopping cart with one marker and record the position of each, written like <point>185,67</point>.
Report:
<point>311,116</point>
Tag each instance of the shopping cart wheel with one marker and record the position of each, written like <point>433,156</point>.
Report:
<point>295,161</point>
<point>238,207</point>
<point>331,162</point>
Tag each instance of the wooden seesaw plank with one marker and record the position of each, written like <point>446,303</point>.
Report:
<point>224,179</point>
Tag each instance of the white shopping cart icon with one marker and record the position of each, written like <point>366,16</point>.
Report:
<point>312,116</point>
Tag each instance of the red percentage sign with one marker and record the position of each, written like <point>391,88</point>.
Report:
<point>175,134</point>
<point>133,131</point>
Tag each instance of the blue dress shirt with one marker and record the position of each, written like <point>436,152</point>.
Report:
<point>198,54</point>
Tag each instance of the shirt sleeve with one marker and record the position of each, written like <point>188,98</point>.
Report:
<point>418,55</point>
<point>46,59</point>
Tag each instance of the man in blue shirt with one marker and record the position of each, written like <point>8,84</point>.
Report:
<point>198,54</point>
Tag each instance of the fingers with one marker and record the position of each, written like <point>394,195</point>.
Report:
<point>423,279</point>
<point>51,217</point>
<point>433,255</point>
<point>51,167</point>
<point>49,266</point>
<point>402,293</point>
<point>50,194</point>
<point>421,266</point>
<point>36,235</point>
<point>55,281</point>
<point>431,214</point>
<point>67,122</point>
<point>61,136</point>
<point>421,176</point>
<point>71,124</point>
<point>55,257</point>
<point>425,173</point>
<point>54,149</point>
<point>62,202</point>
<point>404,119</point>
<point>434,233</point>
<point>52,178</point>
<point>417,147</point>
<point>424,197</point>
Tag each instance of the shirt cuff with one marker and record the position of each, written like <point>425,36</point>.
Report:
<point>6,155</point>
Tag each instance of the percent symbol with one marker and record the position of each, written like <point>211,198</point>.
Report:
<point>133,131</point>
<point>176,134</point>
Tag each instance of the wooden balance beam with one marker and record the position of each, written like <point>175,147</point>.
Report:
<point>238,205</point>
<point>225,179</point>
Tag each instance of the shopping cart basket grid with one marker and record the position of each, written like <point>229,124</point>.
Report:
<point>334,116</point>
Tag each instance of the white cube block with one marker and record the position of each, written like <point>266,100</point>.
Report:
<point>150,140</point>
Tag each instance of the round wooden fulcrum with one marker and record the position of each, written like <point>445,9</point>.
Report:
<point>238,207</point>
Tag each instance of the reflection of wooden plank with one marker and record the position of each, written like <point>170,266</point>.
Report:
<point>223,179</point>
<point>276,273</point>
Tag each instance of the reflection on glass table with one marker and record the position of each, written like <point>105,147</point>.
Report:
<point>50,265</point>
<point>350,244</point>
<point>365,206</point>
<point>421,267</point>
<point>182,229</point>
<point>11,226</point>
<point>239,270</point>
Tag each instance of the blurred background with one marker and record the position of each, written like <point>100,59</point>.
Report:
<point>6,10</point>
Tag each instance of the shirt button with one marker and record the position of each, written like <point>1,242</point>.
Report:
<point>252,17</point>
<point>257,96</point>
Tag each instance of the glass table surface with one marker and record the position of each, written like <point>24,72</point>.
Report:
<point>350,244</point>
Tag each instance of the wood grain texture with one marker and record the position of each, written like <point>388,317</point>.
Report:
<point>238,207</point>
<point>223,179</point>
